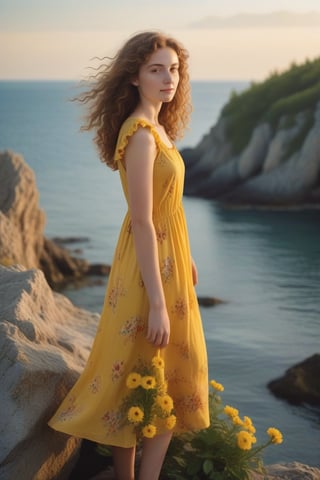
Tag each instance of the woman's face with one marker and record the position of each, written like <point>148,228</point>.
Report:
<point>158,78</point>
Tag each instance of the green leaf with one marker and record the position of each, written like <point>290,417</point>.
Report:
<point>207,467</point>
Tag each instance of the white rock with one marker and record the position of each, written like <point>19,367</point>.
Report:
<point>253,156</point>
<point>44,343</point>
<point>21,221</point>
<point>279,144</point>
<point>291,182</point>
<point>289,471</point>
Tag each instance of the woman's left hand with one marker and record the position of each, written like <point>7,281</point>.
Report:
<point>194,272</point>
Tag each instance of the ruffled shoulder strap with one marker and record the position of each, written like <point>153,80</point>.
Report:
<point>129,127</point>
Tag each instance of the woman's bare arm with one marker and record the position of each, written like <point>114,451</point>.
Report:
<point>139,160</point>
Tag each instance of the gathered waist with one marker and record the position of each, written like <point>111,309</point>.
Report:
<point>161,215</point>
<point>165,213</point>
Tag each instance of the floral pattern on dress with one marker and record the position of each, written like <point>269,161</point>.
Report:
<point>161,235</point>
<point>174,377</point>
<point>166,268</point>
<point>95,384</point>
<point>132,327</point>
<point>112,421</point>
<point>117,370</point>
<point>183,348</point>
<point>191,403</point>
<point>180,308</point>
<point>115,292</point>
<point>70,410</point>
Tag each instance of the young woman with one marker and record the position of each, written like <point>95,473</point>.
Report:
<point>139,105</point>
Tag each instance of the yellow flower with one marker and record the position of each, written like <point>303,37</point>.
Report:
<point>247,423</point>
<point>217,386</point>
<point>158,362</point>
<point>253,439</point>
<point>165,402</point>
<point>149,431</point>
<point>275,435</point>
<point>148,382</point>
<point>171,421</point>
<point>133,380</point>
<point>244,440</point>
<point>237,421</point>
<point>230,411</point>
<point>135,415</point>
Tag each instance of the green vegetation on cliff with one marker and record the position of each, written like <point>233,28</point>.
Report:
<point>281,94</point>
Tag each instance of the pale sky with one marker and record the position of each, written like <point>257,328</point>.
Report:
<point>55,39</point>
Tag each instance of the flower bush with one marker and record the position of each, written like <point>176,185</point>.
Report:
<point>226,450</point>
<point>148,407</point>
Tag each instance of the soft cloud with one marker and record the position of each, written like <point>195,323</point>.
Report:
<point>280,19</point>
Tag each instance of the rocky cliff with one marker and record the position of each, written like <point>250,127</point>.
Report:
<point>44,343</point>
<point>21,220</point>
<point>22,225</point>
<point>265,147</point>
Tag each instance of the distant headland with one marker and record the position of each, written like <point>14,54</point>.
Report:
<point>264,149</point>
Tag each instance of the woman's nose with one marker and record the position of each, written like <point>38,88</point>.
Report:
<point>167,77</point>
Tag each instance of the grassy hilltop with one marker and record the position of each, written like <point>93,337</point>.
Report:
<point>288,93</point>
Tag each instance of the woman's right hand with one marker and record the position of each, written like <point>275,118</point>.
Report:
<point>158,327</point>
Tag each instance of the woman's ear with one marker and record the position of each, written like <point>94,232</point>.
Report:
<point>135,82</point>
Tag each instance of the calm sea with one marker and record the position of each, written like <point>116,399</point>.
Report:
<point>265,264</point>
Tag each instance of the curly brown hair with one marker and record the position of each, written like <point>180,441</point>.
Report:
<point>112,97</point>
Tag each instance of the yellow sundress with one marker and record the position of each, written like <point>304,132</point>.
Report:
<point>92,409</point>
